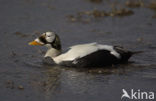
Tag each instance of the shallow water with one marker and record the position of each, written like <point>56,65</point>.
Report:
<point>24,76</point>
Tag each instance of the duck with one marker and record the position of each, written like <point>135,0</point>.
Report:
<point>82,55</point>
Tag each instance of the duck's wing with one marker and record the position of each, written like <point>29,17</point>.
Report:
<point>83,45</point>
<point>76,51</point>
<point>82,50</point>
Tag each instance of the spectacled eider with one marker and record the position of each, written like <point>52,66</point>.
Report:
<point>83,55</point>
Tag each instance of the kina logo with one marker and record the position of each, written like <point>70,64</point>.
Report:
<point>137,95</point>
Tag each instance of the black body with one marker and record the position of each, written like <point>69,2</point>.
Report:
<point>100,58</point>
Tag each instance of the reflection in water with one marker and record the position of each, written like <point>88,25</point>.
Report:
<point>48,81</point>
<point>51,81</point>
<point>55,81</point>
<point>61,80</point>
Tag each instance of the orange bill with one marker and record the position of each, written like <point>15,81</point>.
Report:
<point>34,43</point>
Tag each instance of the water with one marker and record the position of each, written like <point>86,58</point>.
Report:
<point>24,76</point>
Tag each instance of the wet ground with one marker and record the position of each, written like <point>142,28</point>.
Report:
<point>24,76</point>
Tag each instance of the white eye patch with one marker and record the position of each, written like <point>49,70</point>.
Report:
<point>50,36</point>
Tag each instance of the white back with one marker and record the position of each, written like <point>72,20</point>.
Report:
<point>79,51</point>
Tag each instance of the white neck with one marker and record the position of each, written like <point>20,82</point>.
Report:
<point>52,52</point>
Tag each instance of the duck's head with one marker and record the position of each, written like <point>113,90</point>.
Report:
<point>49,39</point>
